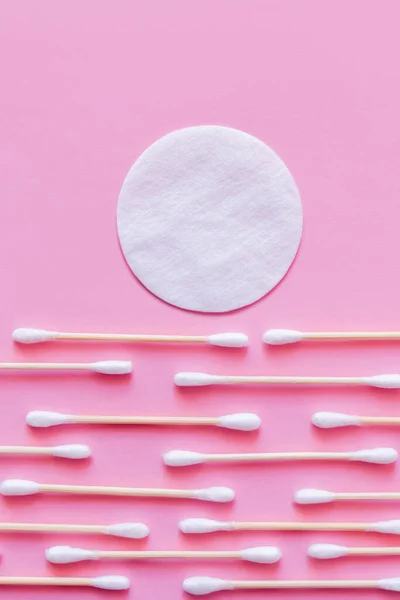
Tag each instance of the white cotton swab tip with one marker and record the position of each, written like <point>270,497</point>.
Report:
<point>74,451</point>
<point>215,494</point>
<point>18,487</point>
<point>182,458</point>
<point>329,420</point>
<point>279,337</point>
<point>186,379</point>
<point>391,585</point>
<point>390,382</point>
<point>133,531</point>
<point>311,496</point>
<point>25,335</point>
<point>112,367</point>
<point>326,551</point>
<point>392,527</point>
<point>111,582</point>
<point>199,586</point>
<point>45,418</point>
<point>231,340</point>
<point>63,555</point>
<point>240,422</point>
<point>265,555</point>
<point>378,456</point>
<point>197,525</point>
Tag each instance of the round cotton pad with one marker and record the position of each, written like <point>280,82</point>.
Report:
<point>209,218</point>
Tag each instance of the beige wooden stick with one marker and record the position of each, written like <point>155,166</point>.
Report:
<point>108,582</point>
<point>21,487</point>
<point>315,584</point>
<point>377,551</point>
<point>199,586</point>
<point>350,335</point>
<point>379,420</point>
<point>301,526</point>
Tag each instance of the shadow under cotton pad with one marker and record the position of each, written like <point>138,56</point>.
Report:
<point>209,219</point>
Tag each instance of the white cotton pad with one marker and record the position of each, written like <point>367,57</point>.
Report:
<point>209,219</point>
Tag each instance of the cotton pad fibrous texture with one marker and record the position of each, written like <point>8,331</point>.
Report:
<point>209,219</point>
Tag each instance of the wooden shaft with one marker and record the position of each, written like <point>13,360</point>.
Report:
<point>45,366</point>
<point>367,496</point>
<point>26,450</point>
<point>122,337</point>
<point>272,456</point>
<point>381,551</point>
<point>351,335</point>
<point>143,554</point>
<point>379,420</point>
<point>63,581</point>
<point>316,584</point>
<point>117,420</point>
<point>270,526</point>
<point>50,528</point>
<point>296,380</point>
<point>104,490</point>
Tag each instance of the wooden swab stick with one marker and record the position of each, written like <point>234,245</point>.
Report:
<point>73,451</point>
<point>66,554</point>
<point>278,337</point>
<point>330,420</point>
<point>199,586</point>
<point>184,458</point>
<point>35,336</point>
<point>327,551</point>
<point>134,531</point>
<point>200,525</point>
<point>201,379</point>
<point>107,367</point>
<point>108,582</point>
<point>240,421</point>
<point>311,496</point>
<point>22,487</point>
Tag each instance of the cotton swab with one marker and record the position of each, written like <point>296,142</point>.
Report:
<point>202,379</point>
<point>330,420</point>
<point>66,554</point>
<point>199,586</point>
<point>35,336</point>
<point>279,337</point>
<point>74,451</point>
<point>240,421</point>
<point>183,458</point>
<point>106,367</point>
<point>105,582</point>
<point>200,525</point>
<point>327,551</point>
<point>311,496</point>
<point>22,487</point>
<point>134,531</point>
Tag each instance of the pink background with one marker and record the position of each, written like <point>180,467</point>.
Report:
<point>86,86</point>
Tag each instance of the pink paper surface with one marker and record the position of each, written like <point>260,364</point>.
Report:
<point>86,86</point>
